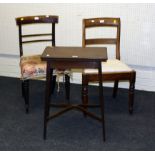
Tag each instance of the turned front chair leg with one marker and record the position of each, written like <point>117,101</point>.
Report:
<point>25,93</point>
<point>115,88</point>
<point>131,93</point>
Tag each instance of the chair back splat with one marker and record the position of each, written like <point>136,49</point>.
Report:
<point>102,22</point>
<point>29,20</point>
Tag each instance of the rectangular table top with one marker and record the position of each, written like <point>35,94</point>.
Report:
<point>75,53</point>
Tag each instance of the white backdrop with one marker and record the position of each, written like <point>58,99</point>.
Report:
<point>137,33</point>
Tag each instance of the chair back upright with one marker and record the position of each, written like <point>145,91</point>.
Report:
<point>31,38</point>
<point>102,22</point>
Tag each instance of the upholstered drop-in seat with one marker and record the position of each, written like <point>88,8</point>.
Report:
<point>111,66</point>
<point>34,67</point>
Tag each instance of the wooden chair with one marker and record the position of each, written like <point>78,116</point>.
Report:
<point>114,69</point>
<point>32,67</point>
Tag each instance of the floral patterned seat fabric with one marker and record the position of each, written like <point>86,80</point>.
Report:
<point>33,67</point>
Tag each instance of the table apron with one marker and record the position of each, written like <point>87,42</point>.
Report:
<point>73,64</point>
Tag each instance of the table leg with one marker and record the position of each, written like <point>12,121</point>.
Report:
<point>101,98</point>
<point>49,74</point>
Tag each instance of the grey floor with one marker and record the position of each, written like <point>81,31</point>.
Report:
<point>71,131</point>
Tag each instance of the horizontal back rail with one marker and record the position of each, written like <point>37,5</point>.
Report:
<point>100,41</point>
<point>36,35</point>
<point>34,41</point>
